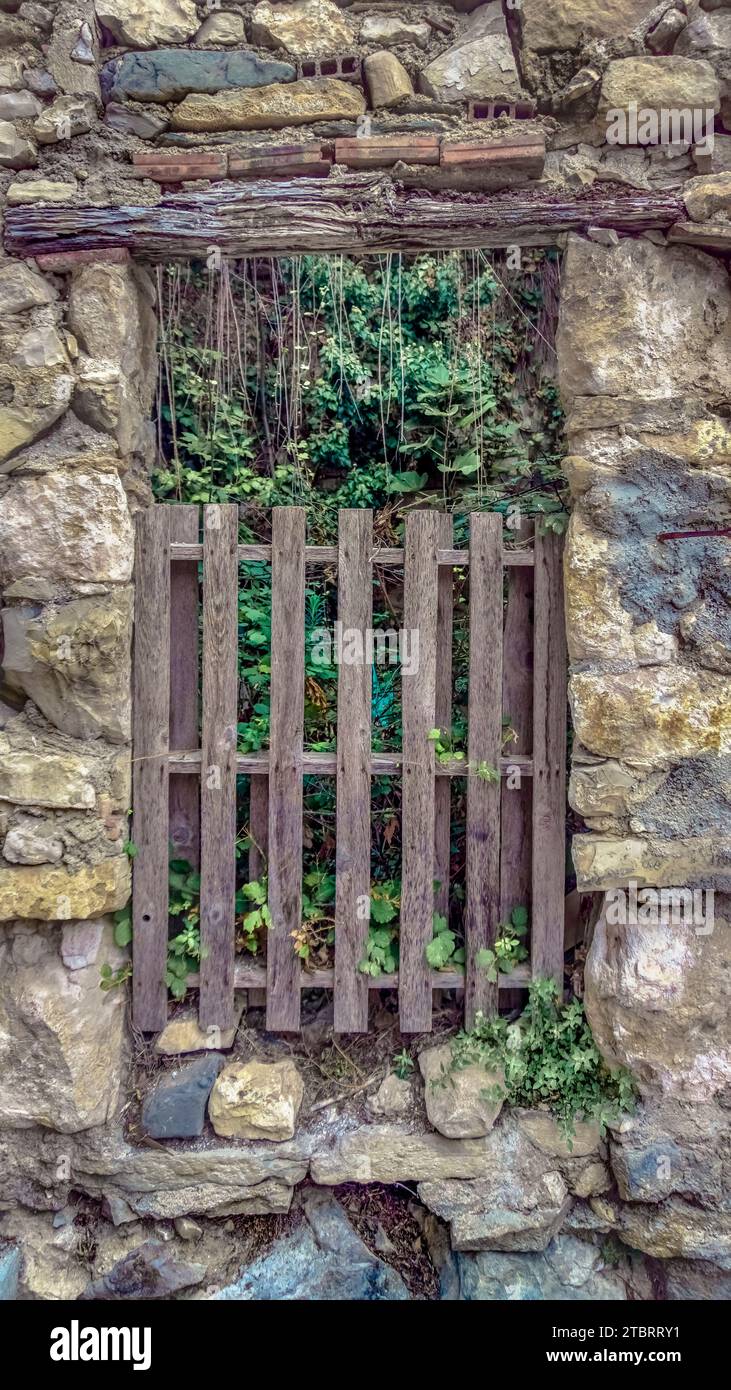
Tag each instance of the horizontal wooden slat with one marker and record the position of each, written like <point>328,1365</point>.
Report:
<point>325,764</point>
<point>351,212</point>
<point>328,554</point>
<point>255,977</point>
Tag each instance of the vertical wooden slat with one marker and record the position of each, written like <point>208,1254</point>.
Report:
<point>218,768</point>
<point>285,765</point>
<point>515,801</point>
<point>484,746</point>
<point>549,761</point>
<point>150,750</point>
<point>419,705</point>
<point>443,718</point>
<point>258,825</point>
<point>184,733</point>
<point>258,850</point>
<point>353,818</point>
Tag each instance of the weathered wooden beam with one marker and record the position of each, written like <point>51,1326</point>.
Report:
<point>352,212</point>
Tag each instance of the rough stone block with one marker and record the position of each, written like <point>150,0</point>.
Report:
<point>176,1106</point>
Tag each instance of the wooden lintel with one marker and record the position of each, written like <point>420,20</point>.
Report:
<point>352,212</point>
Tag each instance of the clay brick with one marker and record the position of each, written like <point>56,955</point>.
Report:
<point>347,67</point>
<point>527,155</point>
<point>308,160</point>
<point>177,168</point>
<point>489,110</point>
<point>378,151</point>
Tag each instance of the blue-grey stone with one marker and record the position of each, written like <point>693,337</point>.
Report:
<point>9,1273</point>
<point>150,1271</point>
<point>169,74</point>
<point>568,1270</point>
<point>322,1260</point>
<point>176,1108</point>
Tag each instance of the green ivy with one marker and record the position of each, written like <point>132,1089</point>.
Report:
<point>548,1057</point>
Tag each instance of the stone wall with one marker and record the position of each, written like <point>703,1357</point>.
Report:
<point>85,89</point>
<point>112,104</point>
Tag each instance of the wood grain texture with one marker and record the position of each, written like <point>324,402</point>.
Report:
<point>319,764</point>
<point>353,815</point>
<point>417,812</point>
<point>484,745</point>
<point>549,759</point>
<point>150,768</point>
<point>443,718</point>
<point>349,212</point>
<point>218,768</point>
<point>184,730</point>
<point>285,765</point>
<point>248,975</point>
<point>258,851</point>
<point>328,555</point>
<point>516,800</point>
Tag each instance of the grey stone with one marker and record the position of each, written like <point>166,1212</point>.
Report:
<point>387,29</point>
<point>671,1147</point>
<point>22,288</point>
<point>187,1229</point>
<point>71,76</point>
<point>176,1108</point>
<point>663,36</point>
<point>480,64</point>
<point>15,151</point>
<point>144,124</point>
<point>222,27</point>
<point>66,118</point>
<point>119,1212</point>
<point>83,49</point>
<point>322,1260</point>
<point>80,943</point>
<point>150,1271</point>
<point>67,525</point>
<point>707,36</point>
<point>458,1101</point>
<point>169,74</point>
<point>695,1281</point>
<point>657,1000</point>
<point>145,25</point>
<point>73,661</point>
<point>37,15</point>
<point>41,83</point>
<point>518,1197</point>
<point>677,1228</point>
<point>12,74</point>
<point>492,1277</point>
<point>393,1097</point>
<point>513,1215</point>
<point>63,1046</point>
<point>32,842</point>
<point>302,28</point>
<point>18,106</point>
<point>10,1265</point>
